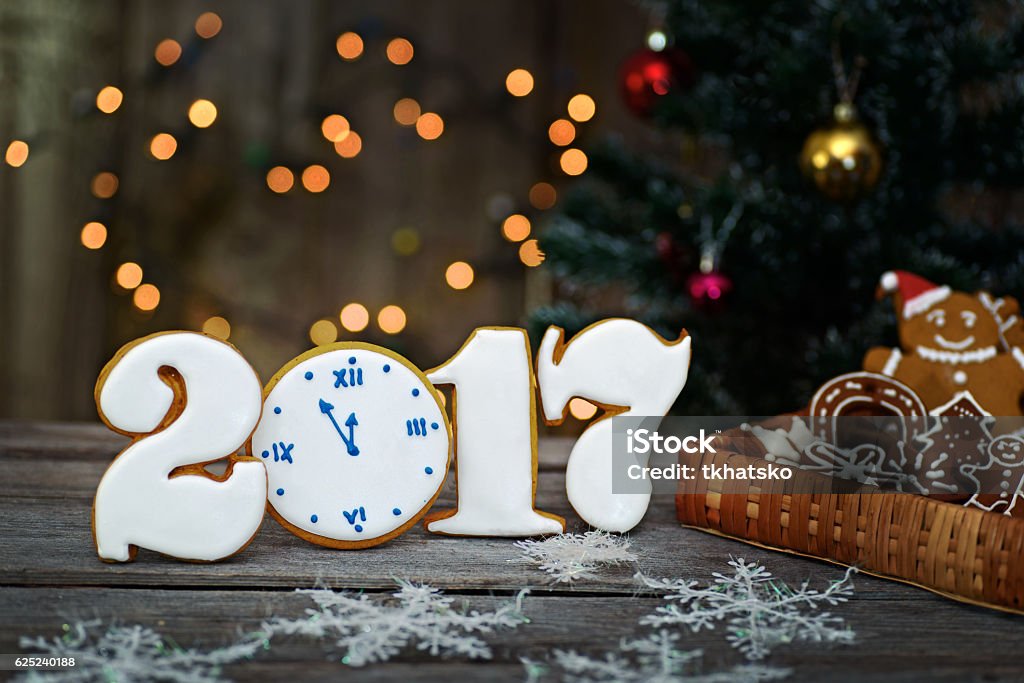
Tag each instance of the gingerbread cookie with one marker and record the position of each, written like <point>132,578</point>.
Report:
<point>355,442</point>
<point>953,342</point>
<point>187,400</point>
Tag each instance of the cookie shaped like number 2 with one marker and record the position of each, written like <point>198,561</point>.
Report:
<point>188,400</point>
<point>629,369</point>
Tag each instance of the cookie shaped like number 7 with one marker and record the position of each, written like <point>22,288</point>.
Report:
<point>628,369</point>
<point>187,399</point>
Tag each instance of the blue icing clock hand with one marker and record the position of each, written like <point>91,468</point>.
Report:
<point>350,440</point>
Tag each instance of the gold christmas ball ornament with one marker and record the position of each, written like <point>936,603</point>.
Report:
<point>843,159</point>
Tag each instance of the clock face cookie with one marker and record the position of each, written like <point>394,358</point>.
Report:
<point>355,442</point>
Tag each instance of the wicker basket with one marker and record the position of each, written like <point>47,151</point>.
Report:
<point>963,553</point>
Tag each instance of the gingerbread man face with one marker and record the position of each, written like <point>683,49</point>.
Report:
<point>959,324</point>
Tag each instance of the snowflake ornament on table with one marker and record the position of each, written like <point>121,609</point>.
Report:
<point>368,630</point>
<point>131,653</point>
<point>570,557</point>
<point>653,658</point>
<point>760,611</point>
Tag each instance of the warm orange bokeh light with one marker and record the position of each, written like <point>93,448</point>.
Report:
<point>218,327</point>
<point>354,317</point>
<point>581,107</point>
<point>573,161</point>
<point>17,153</point>
<point>323,332</point>
<point>516,228</point>
<point>108,99</point>
<point>167,52</point>
<point>530,253</point>
<point>349,45</point>
<point>129,275</point>
<point>104,185</point>
<point>280,179</point>
<point>391,319</point>
<point>543,196</point>
<point>163,146</point>
<point>561,132</point>
<point>350,146</point>
<point>459,275</point>
<point>202,113</point>
<point>582,409</point>
<point>316,178</point>
<point>94,235</point>
<point>146,297</point>
<point>335,127</point>
<point>519,82</point>
<point>430,126</point>
<point>399,51</point>
<point>407,110</point>
<point>208,24</point>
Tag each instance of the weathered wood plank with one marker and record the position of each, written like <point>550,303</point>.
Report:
<point>907,644</point>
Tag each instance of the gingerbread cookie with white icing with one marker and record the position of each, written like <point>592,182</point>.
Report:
<point>953,342</point>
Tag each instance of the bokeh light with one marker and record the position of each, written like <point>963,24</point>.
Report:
<point>208,24</point>
<point>657,40</point>
<point>316,178</point>
<point>94,235</point>
<point>582,409</point>
<point>128,275</point>
<point>519,82</point>
<point>581,107</point>
<point>405,241</point>
<point>459,275</point>
<point>530,253</point>
<point>391,319</point>
<point>167,52</point>
<point>109,99</point>
<point>350,146</point>
<point>280,179</point>
<point>104,185</point>
<point>323,332</point>
<point>218,327</point>
<point>516,228</point>
<point>573,161</point>
<point>349,45</point>
<point>399,51</point>
<point>146,297</point>
<point>407,110</point>
<point>429,126</point>
<point>202,113</point>
<point>163,146</point>
<point>17,153</point>
<point>543,196</point>
<point>562,132</point>
<point>335,127</point>
<point>354,317</point>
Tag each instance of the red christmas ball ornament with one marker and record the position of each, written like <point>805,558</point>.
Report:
<point>648,75</point>
<point>707,290</point>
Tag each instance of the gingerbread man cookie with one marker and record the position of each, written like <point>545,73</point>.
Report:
<point>953,342</point>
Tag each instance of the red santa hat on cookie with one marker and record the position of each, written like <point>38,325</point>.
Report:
<point>911,293</point>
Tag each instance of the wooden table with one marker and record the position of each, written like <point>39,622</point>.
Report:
<point>51,575</point>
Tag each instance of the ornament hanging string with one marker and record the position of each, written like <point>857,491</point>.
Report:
<point>713,241</point>
<point>846,83</point>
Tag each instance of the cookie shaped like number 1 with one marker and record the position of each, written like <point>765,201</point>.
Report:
<point>627,368</point>
<point>188,399</point>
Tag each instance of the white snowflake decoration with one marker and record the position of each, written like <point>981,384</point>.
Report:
<point>654,658</point>
<point>760,611</point>
<point>368,630</point>
<point>131,653</point>
<point>570,557</point>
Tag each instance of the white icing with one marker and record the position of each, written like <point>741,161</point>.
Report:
<point>890,281</point>
<point>957,357</point>
<point>353,490</point>
<point>960,377</point>
<point>966,397</point>
<point>925,300</point>
<point>892,363</point>
<point>955,346</point>
<point>496,438</point>
<point>614,362</point>
<point>1018,356</point>
<point>189,516</point>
